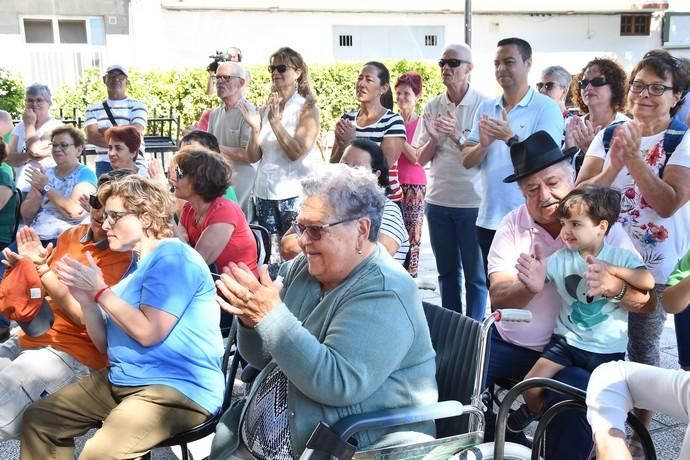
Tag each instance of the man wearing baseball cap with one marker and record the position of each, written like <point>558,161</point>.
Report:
<point>53,349</point>
<point>118,110</point>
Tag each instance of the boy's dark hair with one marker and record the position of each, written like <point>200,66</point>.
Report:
<point>204,138</point>
<point>522,45</point>
<point>598,203</point>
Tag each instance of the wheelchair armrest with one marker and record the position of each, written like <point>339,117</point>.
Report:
<point>352,424</point>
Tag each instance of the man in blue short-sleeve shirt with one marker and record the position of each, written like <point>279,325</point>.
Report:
<point>516,114</point>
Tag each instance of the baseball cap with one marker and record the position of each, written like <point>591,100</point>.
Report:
<point>115,67</point>
<point>21,299</point>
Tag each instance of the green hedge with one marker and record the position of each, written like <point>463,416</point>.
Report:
<point>185,89</point>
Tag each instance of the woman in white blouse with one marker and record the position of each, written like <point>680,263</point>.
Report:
<point>283,139</point>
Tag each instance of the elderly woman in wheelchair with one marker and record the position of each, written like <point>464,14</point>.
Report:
<point>343,334</point>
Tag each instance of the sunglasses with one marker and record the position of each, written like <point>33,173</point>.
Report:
<point>94,202</point>
<point>667,59</point>
<point>314,231</point>
<point>55,146</point>
<point>595,82</point>
<point>179,173</point>
<point>281,68</point>
<point>224,78</point>
<point>451,62</point>
<point>548,85</point>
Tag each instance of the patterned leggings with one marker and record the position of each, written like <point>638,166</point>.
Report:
<point>413,215</point>
<point>276,215</point>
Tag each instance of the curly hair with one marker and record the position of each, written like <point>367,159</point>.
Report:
<point>143,197</point>
<point>665,65</point>
<point>208,172</point>
<point>71,131</point>
<point>616,78</point>
<point>288,55</point>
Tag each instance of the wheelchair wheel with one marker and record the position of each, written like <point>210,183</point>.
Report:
<point>485,451</point>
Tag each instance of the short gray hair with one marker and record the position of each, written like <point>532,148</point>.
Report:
<point>38,89</point>
<point>559,73</point>
<point>566,165</point>
<point>351,192</point>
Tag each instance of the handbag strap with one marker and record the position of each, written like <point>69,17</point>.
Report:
<point>106,107</point>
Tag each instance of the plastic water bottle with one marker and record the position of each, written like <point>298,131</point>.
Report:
<point>275,250</point>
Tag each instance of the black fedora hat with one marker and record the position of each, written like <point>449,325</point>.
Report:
<point>537,152</point>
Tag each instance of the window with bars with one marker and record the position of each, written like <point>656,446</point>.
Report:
<point>635,24</point>
<point>345,40</point>
<point>430,40</point>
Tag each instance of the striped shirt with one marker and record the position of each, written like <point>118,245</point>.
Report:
<point>125,111</point>
<point>389,125</point>
<point>393,226</point>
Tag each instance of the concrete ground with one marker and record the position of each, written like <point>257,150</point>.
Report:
<point>666,431</point>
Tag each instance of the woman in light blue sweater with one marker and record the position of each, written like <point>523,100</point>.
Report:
<point>345,334</point>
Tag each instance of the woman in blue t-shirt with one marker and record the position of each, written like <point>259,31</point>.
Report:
<point>159,327</point>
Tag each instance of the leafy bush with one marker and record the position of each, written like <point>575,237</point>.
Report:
<point>11,93</point>
<point>184,90</point>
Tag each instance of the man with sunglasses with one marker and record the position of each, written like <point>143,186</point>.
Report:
<point>453,192</point>
<point>516,114</point>
<point>232,130</point>
<point>34,367</point>
<point>117,110</point>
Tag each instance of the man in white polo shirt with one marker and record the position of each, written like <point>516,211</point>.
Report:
<point>454,192</point>
<point>118,110</point>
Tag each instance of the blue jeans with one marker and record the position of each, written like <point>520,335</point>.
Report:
<point>569,436</point>
<point>454,242</point>
<point>682,322</point>
<point>103,167</point>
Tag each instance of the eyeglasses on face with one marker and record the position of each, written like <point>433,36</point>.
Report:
<point>549,85</point>
<point>314,231</point>
<point>224,78</point>
<point>179,173</point>
<point>112,217</point>
<point>94,202</point>
<point>55,146</point>
<point>595,82</point>
<point>31,100</point>
<point>654,89</point>
<point>281,68</point>
<point>116,76</point>
<point>451,62</point>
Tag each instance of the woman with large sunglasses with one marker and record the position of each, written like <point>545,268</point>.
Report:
<point>655,186</point>
<point>52,205</point>
<point>599,91</point>
<point>345,332</point>
<point>158,326</point>
<point>283,139</point>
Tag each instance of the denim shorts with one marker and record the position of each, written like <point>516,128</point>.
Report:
<point>560,352</point>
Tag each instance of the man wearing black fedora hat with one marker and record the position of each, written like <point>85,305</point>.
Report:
<point>532,231</point>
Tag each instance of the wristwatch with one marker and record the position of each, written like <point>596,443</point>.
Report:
<point>461,140</point>
<point>46,188</point>
<point>512,140</point>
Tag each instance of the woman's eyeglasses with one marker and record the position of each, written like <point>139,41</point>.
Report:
<point>548,85</point>
<point>112,217</point>
<point>654,89</point>
<point>314,231</point>
<point>56,146</point>
<point>281,68</point>
<point>595,82</point>
<point>179,173</point>
<point>94,202</point>
<point>451,62</point>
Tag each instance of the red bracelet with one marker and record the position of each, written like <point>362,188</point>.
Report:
<point>100,293</point>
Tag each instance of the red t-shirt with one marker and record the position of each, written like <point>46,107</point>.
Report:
<point>240,248</point>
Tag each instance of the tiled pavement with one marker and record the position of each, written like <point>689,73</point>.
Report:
<point>666,431</point>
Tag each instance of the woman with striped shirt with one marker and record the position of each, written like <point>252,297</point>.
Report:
<point>374,121</point>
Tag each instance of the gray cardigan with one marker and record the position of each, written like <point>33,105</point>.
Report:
<point>361,347</point>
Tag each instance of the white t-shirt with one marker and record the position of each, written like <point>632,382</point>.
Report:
<point>661,241</point>
<point>43,132</point>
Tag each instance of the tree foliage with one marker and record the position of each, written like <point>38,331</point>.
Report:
<point>11,93</point>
